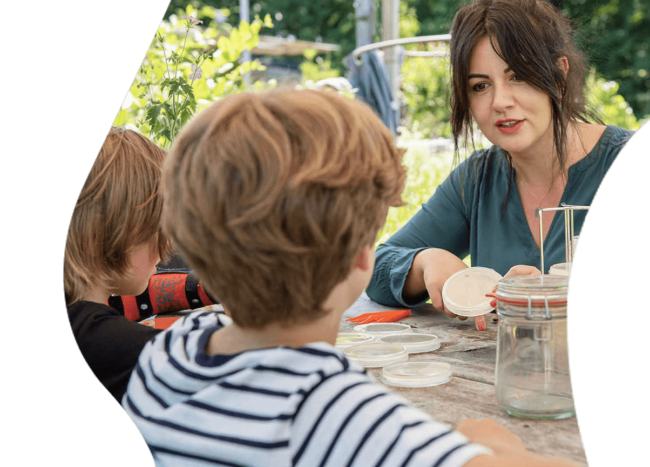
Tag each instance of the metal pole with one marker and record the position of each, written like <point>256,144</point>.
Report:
<point>244,15</point>
<point>567,234</point>
<point>390,30</point>
<point>569,230</point>
<point>364,15</point>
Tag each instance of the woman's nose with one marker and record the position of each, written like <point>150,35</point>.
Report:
<point>503,98</point>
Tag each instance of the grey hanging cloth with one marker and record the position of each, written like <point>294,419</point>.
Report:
<point>370,78</point>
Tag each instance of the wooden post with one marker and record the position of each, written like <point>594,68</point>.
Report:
<point>390,30</point>
<point>244,15</point>
<point>365,25</point>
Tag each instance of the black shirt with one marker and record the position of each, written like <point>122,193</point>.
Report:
<point>110,343</point>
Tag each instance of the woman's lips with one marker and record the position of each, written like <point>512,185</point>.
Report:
<point>507,130</point>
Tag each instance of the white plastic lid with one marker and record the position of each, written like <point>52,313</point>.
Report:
<point>413,342</point>
<point>376,355</point>
<point>347,339</point>
<point>416,374</point>
<point>382,329</point>
<point>464,292</point>
<point>560,269</point>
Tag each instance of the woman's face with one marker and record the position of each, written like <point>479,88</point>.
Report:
<point>512,114</point>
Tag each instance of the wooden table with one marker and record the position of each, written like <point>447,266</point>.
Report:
<point>470,393</point>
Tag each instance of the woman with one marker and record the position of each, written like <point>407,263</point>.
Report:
<point>518,75</point>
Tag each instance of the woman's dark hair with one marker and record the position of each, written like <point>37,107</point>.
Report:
<point>531,36</point>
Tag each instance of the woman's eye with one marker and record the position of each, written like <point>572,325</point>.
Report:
<point>479,87</point>
<point>516,78</point>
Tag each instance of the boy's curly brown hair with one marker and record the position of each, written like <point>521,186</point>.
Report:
<point>270,196</point>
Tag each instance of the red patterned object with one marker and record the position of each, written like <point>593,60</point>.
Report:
<point>168,292</point>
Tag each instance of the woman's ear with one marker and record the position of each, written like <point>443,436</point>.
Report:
<point>564,65</point>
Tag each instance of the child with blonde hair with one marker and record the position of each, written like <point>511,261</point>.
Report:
<point>275,200</point>
<point>113,247</point>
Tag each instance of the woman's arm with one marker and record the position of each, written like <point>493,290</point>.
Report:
<point>434,240</point>
<point>429,272</point>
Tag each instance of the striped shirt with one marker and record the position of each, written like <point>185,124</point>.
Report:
<point>305,407</point>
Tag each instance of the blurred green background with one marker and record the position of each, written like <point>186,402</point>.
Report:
<point>614,33</point>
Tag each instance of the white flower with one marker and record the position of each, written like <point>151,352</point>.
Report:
<point>192,19</point>
<point>198,73</point>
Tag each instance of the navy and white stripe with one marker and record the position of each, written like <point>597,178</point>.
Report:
<point>275,407</point>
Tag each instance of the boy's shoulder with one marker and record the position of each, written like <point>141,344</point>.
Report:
<point>86,312</point>
<point>275,406</point>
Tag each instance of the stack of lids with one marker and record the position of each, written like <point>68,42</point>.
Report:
<point>464,293</point>
<point>387,346</point>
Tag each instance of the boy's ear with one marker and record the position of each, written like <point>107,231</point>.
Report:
<point>564,64</point>
<point>363,261</point>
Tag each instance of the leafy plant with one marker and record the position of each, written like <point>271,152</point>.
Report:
<point>315,68</point>
<point>186,68</point>
<point>610,105</point>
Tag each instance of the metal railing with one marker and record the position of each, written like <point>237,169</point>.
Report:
<point>356,53</point>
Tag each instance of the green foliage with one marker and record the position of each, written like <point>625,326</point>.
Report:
<point>611,107</point>
<point>614,34</point>
<point>316,68</point>
<point>331,22</point>
<point>425,171</point>
<point>426,84</point>
<point>186,68</point>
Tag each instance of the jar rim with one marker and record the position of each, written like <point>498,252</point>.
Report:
<point>538,283</point>
<point>539,288</point>
<point>526,302</point>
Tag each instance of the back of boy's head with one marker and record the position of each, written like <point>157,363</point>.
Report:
<point>119,208</point>
<point>271,196</point>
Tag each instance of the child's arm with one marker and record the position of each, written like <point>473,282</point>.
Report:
<point>508,449</point>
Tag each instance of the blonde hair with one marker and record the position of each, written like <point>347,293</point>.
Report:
<point>119,208</point>
<point>270,196</point>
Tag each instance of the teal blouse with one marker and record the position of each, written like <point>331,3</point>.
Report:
<point>472,220</point>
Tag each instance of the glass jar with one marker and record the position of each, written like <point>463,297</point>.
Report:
<point>532,370</point>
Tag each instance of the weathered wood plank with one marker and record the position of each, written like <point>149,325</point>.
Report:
<point>461,398</point>
<point>470,393</point>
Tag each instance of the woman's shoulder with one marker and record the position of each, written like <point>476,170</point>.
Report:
<point>616,137</point>
<point>603,144</point>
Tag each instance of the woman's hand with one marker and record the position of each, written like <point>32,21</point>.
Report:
<point>430,270</point>
<point>519,270</point>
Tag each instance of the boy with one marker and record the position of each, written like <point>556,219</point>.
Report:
<point>114,244</point>
<point>275,201</point>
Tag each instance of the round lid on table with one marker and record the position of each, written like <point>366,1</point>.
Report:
<point>413,342</point>
<point>382,329</point>
<point>376,355</point>
<point>347,339</point>
<point>416,374</point>
<point>464,293</point>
